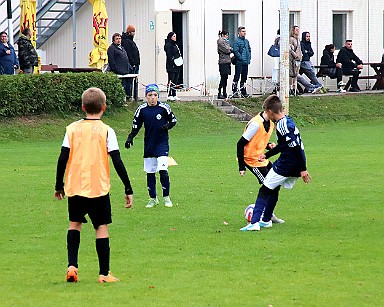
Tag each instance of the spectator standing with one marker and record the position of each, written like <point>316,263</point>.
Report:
<point>333,70</point>
<point>295,56</point>
<point>172,52</point>
<point>28,57</point>
<point>351,64</point>
<point>84,158</point>
<point>306,66</point>
<point>157,118</point>
<point>224,50</point>
<point>8,59</point>
<point>133,55</point>
<point>118,60</point>
<point>242,52</point>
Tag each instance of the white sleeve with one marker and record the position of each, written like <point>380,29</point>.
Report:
<point>66,141</point>
<point>112,140</point>
<point>251,130</point>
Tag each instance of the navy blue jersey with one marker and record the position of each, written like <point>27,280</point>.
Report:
<point>157,120</point>
<point>292,159</point>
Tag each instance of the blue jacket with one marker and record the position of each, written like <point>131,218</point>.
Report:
<point>157,121</point>
<point>7,61</point>
<point>242,51</point>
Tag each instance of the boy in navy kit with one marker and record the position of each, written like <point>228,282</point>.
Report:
<point>252,144</point>
<point>84,158</point>
<point>285,171</point>
<point>157,118</point>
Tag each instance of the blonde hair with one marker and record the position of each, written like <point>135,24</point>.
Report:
<point>93,100</point>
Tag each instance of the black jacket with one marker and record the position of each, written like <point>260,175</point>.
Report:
<point>172,52</point>
<point>118,59</point>
<point>348,58</point>
<point>28,56</point>
<point>130,46</point>
<point>306,48</point>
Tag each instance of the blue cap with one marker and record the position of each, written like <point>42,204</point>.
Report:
<point>152,88</point>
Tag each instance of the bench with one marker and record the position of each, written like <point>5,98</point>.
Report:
<point>266,83</point>
<point>48,68</point>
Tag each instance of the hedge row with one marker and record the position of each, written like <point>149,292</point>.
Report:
<point>22,95</point>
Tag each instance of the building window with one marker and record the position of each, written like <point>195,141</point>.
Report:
<point>231,23</point>
<point>293,19</point>
<point>339,29</point>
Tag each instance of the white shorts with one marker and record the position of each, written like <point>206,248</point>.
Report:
<point>273,180</point>
<point>153,165</point>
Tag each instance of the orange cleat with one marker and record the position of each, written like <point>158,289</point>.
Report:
<point>72,274</point>
<point>108,278</point>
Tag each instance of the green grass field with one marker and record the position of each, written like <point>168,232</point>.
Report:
<point>328,253</point>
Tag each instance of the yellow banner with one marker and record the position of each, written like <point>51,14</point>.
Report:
<point>98,56</point>
<point>28,18</point>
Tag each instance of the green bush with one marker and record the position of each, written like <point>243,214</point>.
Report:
<point>22,95</point>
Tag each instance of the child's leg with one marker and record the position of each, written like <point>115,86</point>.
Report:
<point>73,243</point>
<point>262,201</point>
<point>151,184</point>
<point>165,183</point>
<point>274,197</point>
<point>103,249</point>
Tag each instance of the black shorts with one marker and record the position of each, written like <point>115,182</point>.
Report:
<point>98,210</point>
<point>260,172</point>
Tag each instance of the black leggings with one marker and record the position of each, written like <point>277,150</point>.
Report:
<point>223,82</point>
<point>173,80</point>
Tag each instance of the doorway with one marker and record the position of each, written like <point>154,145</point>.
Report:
<point>180,26</point>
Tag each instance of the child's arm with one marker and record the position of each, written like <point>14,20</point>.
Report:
<point>171,120</point>
<point>60,171</point>
<point>240,155</point>
<point>136,125</point>
<point>122,172</point>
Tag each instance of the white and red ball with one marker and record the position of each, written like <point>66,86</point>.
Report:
<point>248,212</point>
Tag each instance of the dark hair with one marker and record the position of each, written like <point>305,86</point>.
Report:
<point>3,32</point>
<point>240,28</point>
<point>115,35</point>
<point>26,31</point>
<point>170,34</point>
<point>223,33</point>
<point>329,47</point>
<point>348,41</point>
<point>273,103</point>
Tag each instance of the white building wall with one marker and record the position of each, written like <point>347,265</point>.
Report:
<point>260,17</point>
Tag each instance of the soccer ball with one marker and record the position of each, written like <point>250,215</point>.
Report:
<point>248,212</point>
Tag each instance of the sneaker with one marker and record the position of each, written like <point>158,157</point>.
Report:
<point>176,98</point>
<point>276,220</point>
<point>72,274</point>
<point>251,227</point>
<point>152,202</point>
<point>354,90</point>
<point>340,90</point>
<point>171,98</point>
<point>323,90</point>
<point>236,95</point>
<point>316,90</point>
<point>167,202</point>
<point>108,278</point>
<point>341,83</point>
<point>265,224</point>
<point>220,96</point>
